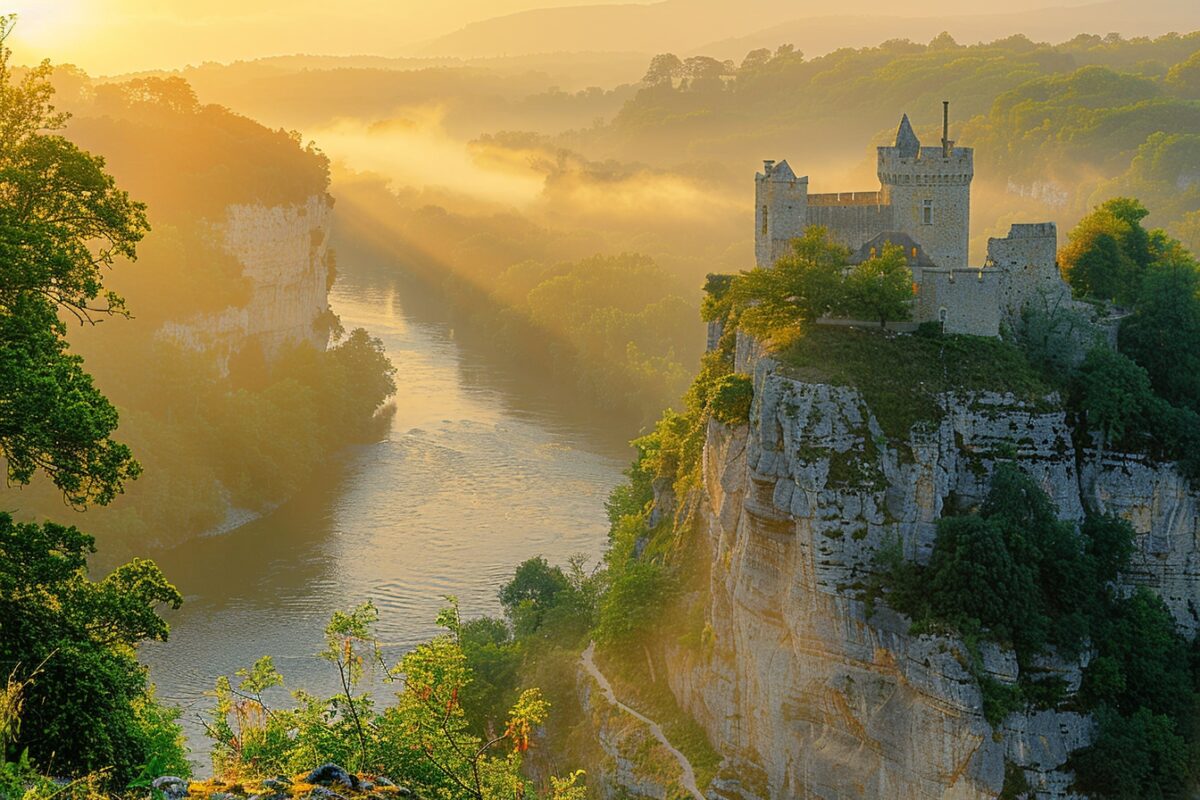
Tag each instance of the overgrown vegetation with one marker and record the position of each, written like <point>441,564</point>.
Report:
<point>904,378</point>
<point>1014,573</point>
<point>423,738</point>
<point>1144,396</point>
<point>816,280</point>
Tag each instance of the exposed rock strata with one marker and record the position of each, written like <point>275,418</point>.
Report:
<point>284,253</point>
<point>804,693</point>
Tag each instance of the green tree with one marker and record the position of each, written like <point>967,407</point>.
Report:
<point>87,705</point>
<point>1163,333</point>
<point>1140,757</point>
<point>801,287</point>
<point>62,224</point>
<point>880,288</point>
<point>973,580</point>
<point>1108,251</point>
<point>69,641</point>
<point>1184,77</point>
<point>1114,394</point>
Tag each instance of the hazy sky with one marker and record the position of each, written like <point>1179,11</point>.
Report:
<point>105,36</point>
<point>108,36</point>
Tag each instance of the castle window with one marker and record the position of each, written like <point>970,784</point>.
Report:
<point>764,225</point>
<point>927,212</point>
<point>942,317</point>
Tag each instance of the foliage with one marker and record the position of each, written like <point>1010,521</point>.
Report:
<point>730,398</point>
<point>800,287</point>
<point>1163,334</point>
<point>902,378</point>
<point>1115,393</point>
<point>63,222</point>
<point>1054,334</point>
<point>627,608</point>
<point>1139,757</point>
<point>424,737</point>
<point>1108,252</point>
<point>880,288</point>
<point>70,641</point>
<point>1015,573</point>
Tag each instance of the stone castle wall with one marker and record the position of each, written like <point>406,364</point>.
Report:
<point>963,300</point>
<point>852,224</point>
<point>945,182</point>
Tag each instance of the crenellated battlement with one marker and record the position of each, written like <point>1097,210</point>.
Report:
<point>923,202</point>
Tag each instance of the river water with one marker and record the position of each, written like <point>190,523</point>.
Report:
<point>484,465</point>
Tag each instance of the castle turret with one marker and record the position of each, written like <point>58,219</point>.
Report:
<point>929,191</point>
<point>781,211</point>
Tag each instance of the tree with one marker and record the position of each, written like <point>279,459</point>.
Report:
<point>72,641</point>
<point>664,69</point>
<point>1140,757</point>
<point>974,579</point>
<point>1107,251</point>
<point>1163,333</point>
<point>68,641</point>
<point>756,58</point>
<point>62,223</point>
<point>1184,77</point>
<point>801,287</point>
<point>1115,393</point>
<point>1188,230</point>
<point>880,288</point>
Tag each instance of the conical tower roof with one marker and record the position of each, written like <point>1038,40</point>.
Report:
<point>906,141</point>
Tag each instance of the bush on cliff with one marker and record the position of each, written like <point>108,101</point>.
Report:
<point>1015,573</point>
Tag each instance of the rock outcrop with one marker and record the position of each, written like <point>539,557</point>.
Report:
<point>807,694</point>
<point>284,253</point>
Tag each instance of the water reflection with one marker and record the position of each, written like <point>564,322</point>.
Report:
<point>482,468</point>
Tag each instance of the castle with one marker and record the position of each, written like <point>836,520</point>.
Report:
<point>923,205</point>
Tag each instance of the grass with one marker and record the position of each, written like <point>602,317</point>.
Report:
<point>629,671</point>
<point>902,377</point>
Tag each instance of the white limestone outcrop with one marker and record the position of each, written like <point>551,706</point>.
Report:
<point>284,254</point>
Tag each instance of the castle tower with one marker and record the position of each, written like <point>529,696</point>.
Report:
<point>781,211</point>
<point>929,190</point>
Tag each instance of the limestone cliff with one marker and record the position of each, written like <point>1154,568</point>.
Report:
<point>284,254</point>
<point>803,691</point>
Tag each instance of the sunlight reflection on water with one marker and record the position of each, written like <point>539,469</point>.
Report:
<point>479,471</point>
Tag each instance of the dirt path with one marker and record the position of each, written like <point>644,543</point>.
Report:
<point>688,778</point>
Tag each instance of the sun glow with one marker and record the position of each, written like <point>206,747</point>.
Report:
<point>48,28</point>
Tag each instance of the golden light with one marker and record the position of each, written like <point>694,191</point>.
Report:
<point>47,28</point>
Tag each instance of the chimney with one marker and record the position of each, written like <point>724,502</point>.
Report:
<point>947,145</point>
<point>768,165</point>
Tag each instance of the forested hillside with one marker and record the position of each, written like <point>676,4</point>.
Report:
<point>213,435</point>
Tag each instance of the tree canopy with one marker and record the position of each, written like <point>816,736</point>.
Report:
<point>63,222</point>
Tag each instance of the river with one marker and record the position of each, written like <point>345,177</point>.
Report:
<point>484,465</point>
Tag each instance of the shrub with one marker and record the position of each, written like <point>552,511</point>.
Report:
<point>730,399</point>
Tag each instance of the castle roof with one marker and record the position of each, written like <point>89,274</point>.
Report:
<point>782,172</point>
<point>906,141</point>
<point>875,247</point>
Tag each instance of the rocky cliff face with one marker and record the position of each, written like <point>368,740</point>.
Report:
<point>284,253</point>
<point>813,697</point>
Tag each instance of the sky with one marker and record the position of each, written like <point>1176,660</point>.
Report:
<point>107,37</point>
<point>112,36</point>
